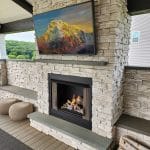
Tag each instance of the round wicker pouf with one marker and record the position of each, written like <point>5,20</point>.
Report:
<point>5,105</point>
<point>19,111</point>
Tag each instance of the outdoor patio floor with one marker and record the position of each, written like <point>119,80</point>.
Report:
<point>30,136</point>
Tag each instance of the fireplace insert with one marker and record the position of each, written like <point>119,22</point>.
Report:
<point>70,98</point>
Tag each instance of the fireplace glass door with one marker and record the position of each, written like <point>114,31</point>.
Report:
<point>71,99</point>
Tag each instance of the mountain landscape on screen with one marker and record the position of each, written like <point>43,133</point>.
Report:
<point>66,31</point>
<point>64,38</point>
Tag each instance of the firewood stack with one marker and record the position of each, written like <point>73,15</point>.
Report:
<point>126,143</point>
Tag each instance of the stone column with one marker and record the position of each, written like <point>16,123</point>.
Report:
<point>3,54</point>
<point>3,73</point>
<point>112,25</point>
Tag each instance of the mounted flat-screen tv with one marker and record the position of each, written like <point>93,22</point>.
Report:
<point>68,30</point>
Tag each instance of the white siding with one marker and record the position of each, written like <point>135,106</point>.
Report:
<point>139,53</point>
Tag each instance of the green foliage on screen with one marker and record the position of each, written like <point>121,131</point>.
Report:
<point>20,50</point>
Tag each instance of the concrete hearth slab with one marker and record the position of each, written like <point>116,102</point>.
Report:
<point>78,133</point>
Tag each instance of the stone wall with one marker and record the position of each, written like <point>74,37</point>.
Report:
<point>23,74</point>
<point>137,92</point>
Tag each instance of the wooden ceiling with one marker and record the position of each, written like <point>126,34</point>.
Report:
<point>25,5</point>
<point>18,16</point>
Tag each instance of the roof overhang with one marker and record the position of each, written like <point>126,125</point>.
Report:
<point>18,16</point>
<point>17,26</point>
<point>25,5</point>
<point>137,7</point>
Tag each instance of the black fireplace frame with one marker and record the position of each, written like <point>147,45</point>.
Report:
<point>68,116</point>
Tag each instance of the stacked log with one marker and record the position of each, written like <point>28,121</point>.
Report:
<point>126,143</point>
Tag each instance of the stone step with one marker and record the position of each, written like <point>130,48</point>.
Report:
<point>80,136</point>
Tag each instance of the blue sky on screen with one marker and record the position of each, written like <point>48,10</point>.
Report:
<point>77,14</point>
<point>22,36</point>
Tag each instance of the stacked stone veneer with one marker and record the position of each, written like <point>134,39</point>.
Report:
<point>112,30</point>
<point>137,92</point>
<point>3,73</point>
<point>23,74</point>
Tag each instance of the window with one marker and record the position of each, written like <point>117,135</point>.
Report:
<point>135,36</point>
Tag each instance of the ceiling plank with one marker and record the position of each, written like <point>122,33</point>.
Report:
<point>25,5</point>
<point>17,26</point>
<point>136,7</point>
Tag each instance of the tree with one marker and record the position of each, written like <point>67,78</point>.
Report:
<point>20,49</point>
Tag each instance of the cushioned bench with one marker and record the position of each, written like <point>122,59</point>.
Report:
<point>135,124</point>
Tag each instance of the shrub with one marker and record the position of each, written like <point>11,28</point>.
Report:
<point>12,56</point>
<point>20,50</point>
<point>21,57</point>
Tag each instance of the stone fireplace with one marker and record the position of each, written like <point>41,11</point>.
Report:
<point>105,68</point>
<point>70,98</point>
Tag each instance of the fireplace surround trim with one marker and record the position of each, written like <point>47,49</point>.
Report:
<point>70,78</point>
<point>82,81</point>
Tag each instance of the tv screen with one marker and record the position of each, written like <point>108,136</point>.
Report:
<point>68,30</point>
